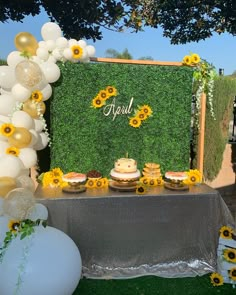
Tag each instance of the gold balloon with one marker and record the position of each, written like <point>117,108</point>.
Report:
<point>28,73</point>
<point>25,41</point>
<point>21,138</point>
<point>34,109</point>
<point>6,185</point>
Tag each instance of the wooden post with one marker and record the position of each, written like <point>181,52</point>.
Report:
<point>200,153</point>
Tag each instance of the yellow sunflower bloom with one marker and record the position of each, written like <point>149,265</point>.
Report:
<point>102,94</point>
<point>99,183</point>
<point>140,190</point>
<point>226,232</point>
<point>77,51</point>
<point>105,181</point>
<point>146,109</point>
<point>13,225</point>
<point>230,255</point>
<point>135,122</point>
<point>160,181</point>
<point>36,96</point>
<point>7,129</point>
<point>144,180</point>
<point>90,183</point>
<point>47,179</point>
<point>57,172</point>
<point>194,176</point>
<point>152,182</point>
<point>187,60</point>
<point>97,102</point>
<point>141,115</point>
<point>195,58</point>
<point>13,151</point>
<point>216,279</point>
<point>232,273</point>
<point>111,91</point>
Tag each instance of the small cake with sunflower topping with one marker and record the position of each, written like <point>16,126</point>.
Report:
<point>176,176</point>
<point>74,177</point>
<point>125,169</point>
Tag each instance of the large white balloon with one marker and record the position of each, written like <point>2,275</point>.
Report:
<point>42,142</point>
<point>51,44</point>
<point>7,104</point>
<point>20,93</point>
<point>34,137</point>
<point>91,50</point>
<point>38,211</point>
<point>38,125</point>
<point>14,58</point>
<point>42,53</point>
<point>7,76</point>
<point>47,92</point>
<point>82,43</point>
<point>50,31</point>
<point>51,71</point>
<point>52,265</point>
<point>67,53</point>
<point>61,43</point>
<point>22,119</point>
<point>28,157</point>
<point>10,166</point>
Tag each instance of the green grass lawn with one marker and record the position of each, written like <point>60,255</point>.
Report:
<point>152,285</point>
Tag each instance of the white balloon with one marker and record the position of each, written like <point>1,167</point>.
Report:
<point>38,211</point>
<point>67,53</point>
<point>7,76</point>
<point>52,59</point>
<point>50,31</point>
<point>22,119</point>
<point>72,42</point>
<point>2,137</point>
<point>20,93</point>
<point>42,53</point>
<point>3,146</point>
<point>28,157</point>
<point>38,125</point>
<point>42,44</point>
<point>10,166</point>
<point>42,142</point>
<point>47,92</point>
<point>61,43</point>
<point>7,104</point>
<point>14,58</point>
<point>5,91</point>
<point>24,181</point>
<point>35,137</point>
<point>57,54</point>
<point>36,59</point>
<point>91,50</point>
<point>51,71</point>
<point>82,43</point>
<point>49,251</point>
<point>51,44</point>
<point>5,119</point>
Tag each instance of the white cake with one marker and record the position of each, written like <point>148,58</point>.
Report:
<point>125,169</point>
<point>177,176</point>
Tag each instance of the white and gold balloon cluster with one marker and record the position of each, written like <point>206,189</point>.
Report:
<point>24,88</point>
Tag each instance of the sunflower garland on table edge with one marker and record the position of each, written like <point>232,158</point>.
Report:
<point>97,183</point>
<point>141,189</point>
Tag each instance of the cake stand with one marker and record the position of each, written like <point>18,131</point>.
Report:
<point>175,181</point>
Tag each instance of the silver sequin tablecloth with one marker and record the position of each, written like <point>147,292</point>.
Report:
<point>122,235</point>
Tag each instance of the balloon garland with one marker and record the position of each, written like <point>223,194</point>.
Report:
<point>24,87</point>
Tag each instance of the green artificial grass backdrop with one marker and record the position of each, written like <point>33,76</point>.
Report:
<point>151,285</point>
<point>86,138</point>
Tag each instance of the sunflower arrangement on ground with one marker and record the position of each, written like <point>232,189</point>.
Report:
<point>140,115</point>
<point>103,95</point>
<point>194,177</point>
<point>52,178</point>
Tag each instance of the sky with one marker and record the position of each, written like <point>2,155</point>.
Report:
<point>220,50</point>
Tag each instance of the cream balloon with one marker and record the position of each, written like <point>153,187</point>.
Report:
<point>42,142</point>
<point>28,73</point>
<point>82,43</point>
<point>7,104</point>
<point>51,44</point>
<point>35,137</point>
<point>50,31</point>
<point>22,119</point>
<point>4,119</point>
<point>61,43</point>
<point>4,145</point>
<point>17,203</point>
<point>14,58</point>
<point>38,125</point>
<point>28,157</point>
<point>42,53</point>
<point>67,53</point>
<point>10,166</point>
<point>7,76</point>
<point>47,92</point>
<point>6,185</point>
<point>51,71</point>
<point>20,93</point>
<point>91,50</point>
<point>72,42</point>
<point>21,138</point>
<point>42,44</point>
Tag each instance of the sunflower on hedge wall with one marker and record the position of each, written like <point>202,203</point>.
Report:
<point>97,102</point>
<point>216,279</point>
<point>135,122</point>
<point>111,91</point>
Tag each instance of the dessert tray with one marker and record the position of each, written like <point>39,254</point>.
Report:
<point>174,181</point>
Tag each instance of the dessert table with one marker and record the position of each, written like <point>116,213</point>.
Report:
<point>122,234</point>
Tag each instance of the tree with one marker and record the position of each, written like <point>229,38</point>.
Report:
<point>181,20</point>
<point>112,53</point>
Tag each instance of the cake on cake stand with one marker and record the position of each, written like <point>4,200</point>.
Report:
<point>75,182</point>
<point>175,180</point>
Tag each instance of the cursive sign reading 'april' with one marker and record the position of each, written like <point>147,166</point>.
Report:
<point>113,110</point>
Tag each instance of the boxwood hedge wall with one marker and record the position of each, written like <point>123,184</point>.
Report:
<point>83,138</point>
